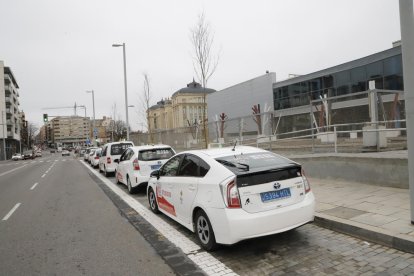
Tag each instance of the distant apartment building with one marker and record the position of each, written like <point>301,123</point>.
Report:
<point>69,130</point>
<point>104,129</point>
<point>185,108</point>
<point>9,109</point>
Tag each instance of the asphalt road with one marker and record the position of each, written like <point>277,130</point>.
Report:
<point>55,220</point>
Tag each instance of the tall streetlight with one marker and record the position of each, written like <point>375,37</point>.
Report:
<point>93,124</point>
<point>125,85</point>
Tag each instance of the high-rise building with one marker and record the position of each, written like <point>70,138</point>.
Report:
<point>9,109</point>
<point>69,130</point>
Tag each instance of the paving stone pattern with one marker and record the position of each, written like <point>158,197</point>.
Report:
<point>308,250</point>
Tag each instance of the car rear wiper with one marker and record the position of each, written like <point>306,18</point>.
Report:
<point>238,165</point>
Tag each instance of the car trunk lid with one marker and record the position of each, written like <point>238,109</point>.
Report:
<point>271,189</point>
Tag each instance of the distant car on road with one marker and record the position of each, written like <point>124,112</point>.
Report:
<point>65,153</point>
<point>226,195</point>
<point>136,164</point>
<point>52,150</point>
<point>28,155</point>
<point>17,156</point>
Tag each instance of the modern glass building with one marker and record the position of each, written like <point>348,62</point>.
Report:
<point>292,97</point>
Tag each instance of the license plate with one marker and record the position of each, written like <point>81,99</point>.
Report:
<point>275,195</point>
<point>155,167</point>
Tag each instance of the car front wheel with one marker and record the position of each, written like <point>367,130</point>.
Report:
<point>204,231</point>
<point>152,201</point>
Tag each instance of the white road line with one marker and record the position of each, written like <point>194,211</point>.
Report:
<point>204,260</point>
<point>34,186</point>
<point>11,211</point>
<point>1,174</point>
<point>43,175</point>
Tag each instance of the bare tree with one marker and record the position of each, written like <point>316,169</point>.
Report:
<point>203,61</point>
<point>145,100</point>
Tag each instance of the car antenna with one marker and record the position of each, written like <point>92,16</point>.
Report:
<point>234,147</point>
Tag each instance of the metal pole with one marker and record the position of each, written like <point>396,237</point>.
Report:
<point>4,136</point>
<point>407,39</point>
<point>126,91</point>
<point>93,106</point>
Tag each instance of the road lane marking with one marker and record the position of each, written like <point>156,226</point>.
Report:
<point>34,186</point>
<point>43,175</point>
<point>1,174</point>
<point>189,248</point>
<point>11,212</point>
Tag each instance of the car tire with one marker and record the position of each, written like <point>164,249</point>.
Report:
<point>106,172</point>
<point>152,200</point>
<point>204,231</point>
<point>131,189</point>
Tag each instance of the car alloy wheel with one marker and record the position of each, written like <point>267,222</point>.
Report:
<point>152,201</point>
<point>204,231</point>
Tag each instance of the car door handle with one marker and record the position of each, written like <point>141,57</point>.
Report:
<point>191,187</point>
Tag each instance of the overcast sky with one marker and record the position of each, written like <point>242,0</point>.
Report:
<point>59,49</point>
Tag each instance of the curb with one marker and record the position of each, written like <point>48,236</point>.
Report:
<point>371,234</point>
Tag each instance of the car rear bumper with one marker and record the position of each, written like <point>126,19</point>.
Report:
<point>233,225</point>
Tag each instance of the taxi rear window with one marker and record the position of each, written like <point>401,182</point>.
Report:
<point>155,154</point>
<point>253,161</point>
<point>118,149</point>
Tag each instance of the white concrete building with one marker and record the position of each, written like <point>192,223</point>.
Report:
<point>9,112</point>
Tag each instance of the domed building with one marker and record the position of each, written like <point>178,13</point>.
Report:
<point>185,108</point>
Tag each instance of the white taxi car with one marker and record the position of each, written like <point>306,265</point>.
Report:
<point>110,152</point>
<point>231,194</point>
<point>136,164</point>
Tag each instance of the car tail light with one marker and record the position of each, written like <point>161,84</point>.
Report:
<point>136,164</point>
<point>96,157</point>
<point>232,195</point>
<point>108,160</point>
<point>305,182</point>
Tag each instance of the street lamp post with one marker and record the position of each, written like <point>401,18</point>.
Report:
<point>93,124</point>
<point>83,132</point>
<point>125,85</point>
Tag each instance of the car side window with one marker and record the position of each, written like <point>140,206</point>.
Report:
<point>204,168</point>
<point>189,166</point>
<point>104,151</point>
<point>130,154</point>
<point>124,156</point>
<point>171,167</point>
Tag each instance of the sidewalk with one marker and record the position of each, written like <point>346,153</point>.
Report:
<point>373,213</point>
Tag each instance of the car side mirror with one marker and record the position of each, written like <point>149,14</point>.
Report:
<point>116,161</point>
<point>155,174</point>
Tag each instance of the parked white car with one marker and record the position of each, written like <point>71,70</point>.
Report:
<point>17,156</point>
<point>94,160</point>
<point>110,152</point>
<point>136,164</point>
<point>226,195</point>
<point>86,153</point>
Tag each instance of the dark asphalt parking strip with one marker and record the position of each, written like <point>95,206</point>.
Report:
<point>173,256</point>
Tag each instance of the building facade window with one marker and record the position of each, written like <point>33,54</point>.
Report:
<point>386,73</point>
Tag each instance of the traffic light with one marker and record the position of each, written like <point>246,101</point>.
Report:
<point>45,119</point>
